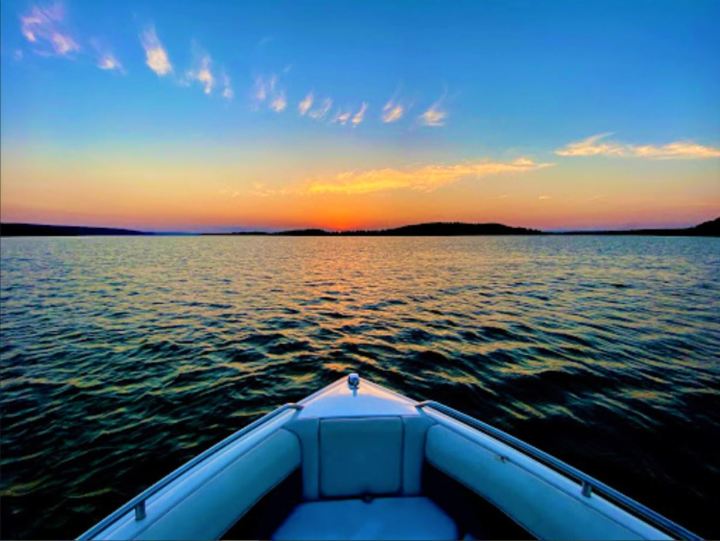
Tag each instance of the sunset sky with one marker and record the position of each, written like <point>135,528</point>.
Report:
<point>190,116</point>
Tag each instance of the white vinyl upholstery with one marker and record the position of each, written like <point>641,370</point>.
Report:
<point>402,518</point>
<point>307,431</point>
<point>545,503</point>
<point>215,505</point>
<point>414,431</point>
<point>407,456</point>
<point>360,456</point>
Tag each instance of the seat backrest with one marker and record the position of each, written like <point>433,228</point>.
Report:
<point>360,456</point>
<point>357,456</point>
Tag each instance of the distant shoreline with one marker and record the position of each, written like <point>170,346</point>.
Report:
<point>435,229</point>
<point>43,230</point>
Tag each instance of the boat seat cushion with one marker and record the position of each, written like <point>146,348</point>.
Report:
<point>215,504</point>
<point>360,456</point>
<point>542,501</point>
<point>381,518</point>
<point>359,436</point>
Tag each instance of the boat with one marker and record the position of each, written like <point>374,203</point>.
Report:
<point>356,460</point>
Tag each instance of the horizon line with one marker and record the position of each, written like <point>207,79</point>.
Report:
<point>318,231</point>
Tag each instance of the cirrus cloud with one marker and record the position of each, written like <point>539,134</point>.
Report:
<point>597,145</point>
<point>156,56</point>
<point>426,178</point>
<point>262,87</point>
<point>279,102</point>
<point>341,117</point>
<point>201,72</point>
<point>305,104</point>
<point>227,91</point>
<point>434,116</point>
<point>267,90</point>
<point>392,111</point>
<point>105,59</point>
<point>359,116</point>
<point>322,110</point>
<point>108,61</point>
<point>45,28</point>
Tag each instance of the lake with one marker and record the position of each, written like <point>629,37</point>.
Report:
<point>121,358</point>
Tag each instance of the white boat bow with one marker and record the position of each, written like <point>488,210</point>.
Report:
<point>358,461</point>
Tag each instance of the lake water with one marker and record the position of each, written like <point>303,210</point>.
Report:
<point>122,358</point>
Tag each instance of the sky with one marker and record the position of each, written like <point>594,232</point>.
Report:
<point>199,116</point>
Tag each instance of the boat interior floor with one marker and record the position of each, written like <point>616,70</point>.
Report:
<point>379,518</point>
<point>444,510</point>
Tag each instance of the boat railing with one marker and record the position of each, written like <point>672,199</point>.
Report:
<point>137,504</point>
<point>588,484</point>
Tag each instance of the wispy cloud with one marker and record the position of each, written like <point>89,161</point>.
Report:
<point>341,117</point>
<point>359,116</point>
<point>678,149</point>
<point>267,90</point>
<point>227,91</point>
<point>260,189</point>
<point>434,116</point>
<point>108,61</point>
<point>45,28</point>
<point>322,110</point>
<point>592,147</point>
<point>262,87</point>
<point>201,72</point>
<point>105,59</point>
<point>279,102</point>
<point>305,104</point>
<point>426,178</point>
<point>596,145</point>
<point>392,111</point>
<point>156,56</point>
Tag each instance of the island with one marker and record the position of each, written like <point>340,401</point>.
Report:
<point>42,230</point>
<point>433,229</point>
<point>710,228</point>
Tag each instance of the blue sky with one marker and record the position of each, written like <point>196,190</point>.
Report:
<point>437,83</point>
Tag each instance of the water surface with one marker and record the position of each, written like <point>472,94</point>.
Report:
<point>122,358</point>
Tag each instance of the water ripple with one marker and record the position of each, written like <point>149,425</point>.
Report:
<point>122,358</point>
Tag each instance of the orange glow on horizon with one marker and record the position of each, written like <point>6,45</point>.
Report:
<point>156,195</point>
